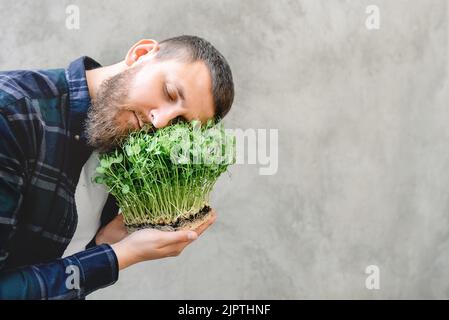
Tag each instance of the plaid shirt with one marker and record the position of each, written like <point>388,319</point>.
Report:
<point>42,150</point>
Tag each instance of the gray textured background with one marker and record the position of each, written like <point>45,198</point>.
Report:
<point>363,141</point>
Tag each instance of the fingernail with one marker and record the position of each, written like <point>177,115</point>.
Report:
<point>192,235</point>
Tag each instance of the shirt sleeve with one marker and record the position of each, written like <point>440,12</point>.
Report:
<point>70,278</point>
<point>73,277</point>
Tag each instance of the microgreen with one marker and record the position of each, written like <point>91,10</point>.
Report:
<point>163,176</point>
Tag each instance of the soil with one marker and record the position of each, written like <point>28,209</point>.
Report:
<point>182,224</point>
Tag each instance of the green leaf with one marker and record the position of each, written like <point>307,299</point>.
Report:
<point>99,180</point>
<point>100,170</point>
<point>129,150</point>
<point>118,159</point>
<point>125,189</point>
<point>105,163</point>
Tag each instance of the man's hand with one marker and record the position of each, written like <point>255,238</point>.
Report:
<point>113,232</point>
<point>150,244</point>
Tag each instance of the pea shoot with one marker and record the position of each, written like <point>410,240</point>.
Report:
<point>163,179</point>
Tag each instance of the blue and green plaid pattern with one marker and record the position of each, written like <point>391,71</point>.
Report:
<point>42,150</point>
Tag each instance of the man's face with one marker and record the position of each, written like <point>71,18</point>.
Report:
<point>152,92</point>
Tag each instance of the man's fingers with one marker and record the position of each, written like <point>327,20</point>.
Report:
<point>184,236</point>
<point>200,229</point>
<point>118,220</point>
<point>173,237</point>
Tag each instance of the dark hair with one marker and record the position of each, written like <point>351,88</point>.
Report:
<point>192,48</point>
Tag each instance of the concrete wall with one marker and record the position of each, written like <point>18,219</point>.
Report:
<point>363,140</point>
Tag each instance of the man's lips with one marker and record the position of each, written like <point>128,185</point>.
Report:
<point>135,120</point>
<point>138,122</point>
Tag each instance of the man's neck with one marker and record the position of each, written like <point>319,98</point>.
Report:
<point>95,77</point>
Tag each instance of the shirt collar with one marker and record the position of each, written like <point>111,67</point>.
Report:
<point>79,97</point>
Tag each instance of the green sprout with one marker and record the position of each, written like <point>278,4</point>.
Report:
<point>165,177</point>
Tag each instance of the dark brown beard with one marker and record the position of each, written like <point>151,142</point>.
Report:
<point>103,131</point>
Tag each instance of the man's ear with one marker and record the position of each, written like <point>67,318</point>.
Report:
<point>142,49</point>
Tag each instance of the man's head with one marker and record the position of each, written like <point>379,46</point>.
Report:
<point>182,78</point>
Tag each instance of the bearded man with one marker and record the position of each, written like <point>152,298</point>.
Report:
<point>61,236</point>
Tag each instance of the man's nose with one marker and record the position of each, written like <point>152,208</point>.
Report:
<point>160,118</point>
